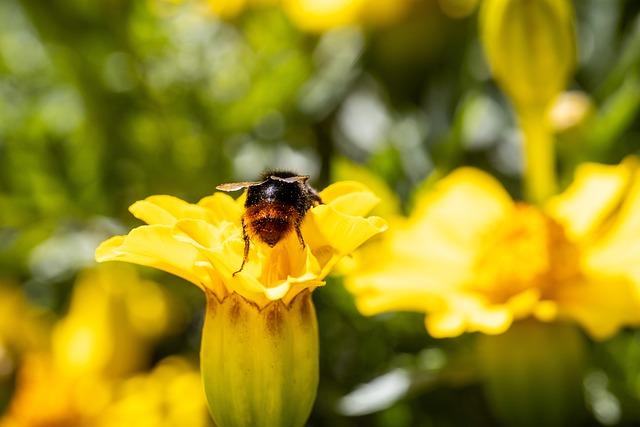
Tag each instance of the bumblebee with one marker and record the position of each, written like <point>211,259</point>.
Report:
<point>275,206</point>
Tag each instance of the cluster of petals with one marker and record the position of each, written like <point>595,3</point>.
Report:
<point>474,260</point>
<point>203,243</point>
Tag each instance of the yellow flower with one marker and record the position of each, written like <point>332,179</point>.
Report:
<point>75,377</point>
<point>170,395</point>
<point>259,352</point>
<point>47,395</point>
<point>322,15</point>
<point>318,16</point>
<point>114,316</point>
<point>474,260</point>
<point>203,244</point>
<point>30,333</point>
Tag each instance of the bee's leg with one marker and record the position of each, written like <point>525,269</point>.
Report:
<point>299,233</point>
<point>247,244</point>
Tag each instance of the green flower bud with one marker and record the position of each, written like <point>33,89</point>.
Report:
<point>260,365</point>
<point>530,47</point>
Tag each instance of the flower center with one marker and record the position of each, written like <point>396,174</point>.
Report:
<point>527,251</point>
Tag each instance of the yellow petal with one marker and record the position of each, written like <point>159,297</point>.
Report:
<point>270,273</point>
<point>223,249</point>
<point>203,234</point>
<point>491,320</point>
<point>546,311</point>
<point>595,193</point>
<point>447,324</point>
<point>441,237</point>
<point>462,208</point>
<point>222,207</point>
<point>394,289</point>
<point>426,261</point>
<point>166,210</point>
<point>332,235</point>
<point>601,305</point>
<point>287,261</point>
<point>349,197</point>
<point>618,250</point>
<point>154,246</point>
<point>464,313</point>
<point>468,197</point>
<point>524,303</point>
<point>343,169</point>
<point>387,280</point>
<point>284,272</point>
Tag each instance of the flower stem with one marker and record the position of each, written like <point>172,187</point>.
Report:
<point>540,181</point>
<point>533,373</point>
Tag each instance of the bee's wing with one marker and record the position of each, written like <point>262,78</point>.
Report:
<point>299,178</point>
<point>235,186</point>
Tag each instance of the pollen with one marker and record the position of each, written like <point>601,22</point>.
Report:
<point>528,250</point>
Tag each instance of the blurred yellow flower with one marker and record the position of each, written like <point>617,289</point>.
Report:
<point>31,332</point>
<point>227,9</point>
<point>260,327</point>
<point>79,374</point>
<point>168,396</point>
<point>322,15</point>
<point>474,260</point>
<point>114,316</point>
<point>47,395</point>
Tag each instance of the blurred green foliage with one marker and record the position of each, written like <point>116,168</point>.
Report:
<point>105,103</point>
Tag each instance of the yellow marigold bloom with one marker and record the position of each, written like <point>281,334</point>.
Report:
<point>109,326</point>
<point>475,260</point>
<point>170,395</point>
<point>318,16</point>
<point>48,395</point>
<point>259,354</point>
<point>322,15</point>
<point>202,243</point>
<point>76,376</point>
